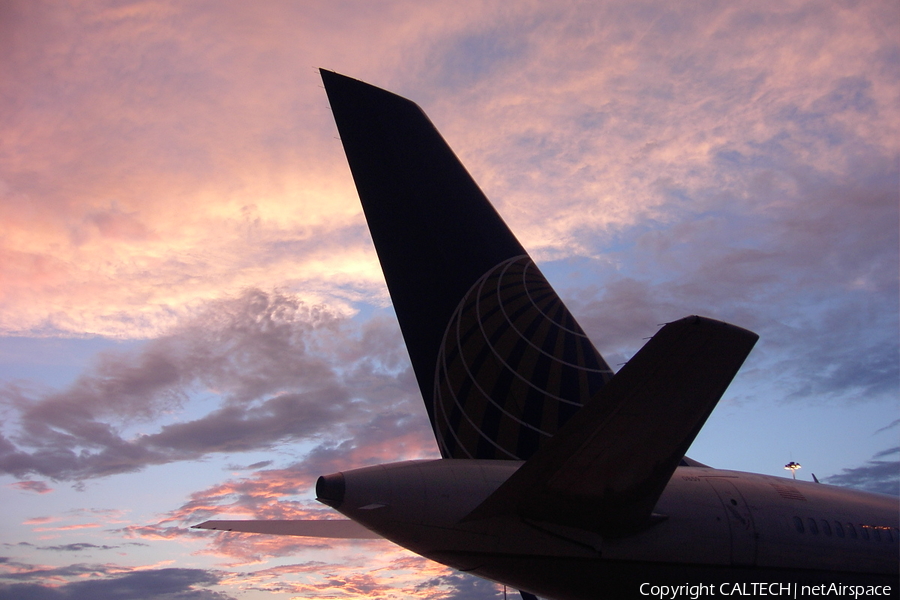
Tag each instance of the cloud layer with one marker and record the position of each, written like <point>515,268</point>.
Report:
<point>161,584</point>
<point>169,173</point>
<point>283,372</point>
<point>179,153</point>
<point>877,475</point>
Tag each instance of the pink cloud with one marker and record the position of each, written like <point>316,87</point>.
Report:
<point>381,571</point>
<point>158,158</point>
<point>39,520</point>
<point>38,487</point>
<point>70,527</point>
<point>198,159</point>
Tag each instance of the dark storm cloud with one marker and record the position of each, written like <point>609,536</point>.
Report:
<point>283,371</point>
<point>161,584</point>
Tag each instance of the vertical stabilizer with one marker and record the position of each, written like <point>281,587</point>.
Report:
<point>500,361</point>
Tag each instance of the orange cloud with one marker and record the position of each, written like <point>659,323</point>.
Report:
<point>137,185</point>
<point>70,527</point>
<point>377,569</point>
<point>158,158</point>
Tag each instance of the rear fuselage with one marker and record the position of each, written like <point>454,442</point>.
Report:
<point>711,526</point>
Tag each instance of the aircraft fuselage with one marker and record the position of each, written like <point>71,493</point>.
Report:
<point>710,526</point>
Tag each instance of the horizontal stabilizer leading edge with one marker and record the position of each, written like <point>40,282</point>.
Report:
<point>337,528</point>
<point>606,469</point>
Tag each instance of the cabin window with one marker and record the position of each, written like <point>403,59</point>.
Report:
<point>838,529</point>
<point>876,534</point>
<point>852,530</point>
<point>813,528</point>
<point>887,534</point>
<point>865,531</point>
<point>798,524</point>
<point>826,527</point>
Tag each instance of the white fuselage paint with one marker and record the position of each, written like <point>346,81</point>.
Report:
<point>708,519</point>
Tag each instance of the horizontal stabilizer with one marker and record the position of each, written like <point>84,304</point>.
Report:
<point>606,469</point>
<point>320,529</point>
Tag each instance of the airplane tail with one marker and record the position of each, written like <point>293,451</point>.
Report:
<point>501,363</point>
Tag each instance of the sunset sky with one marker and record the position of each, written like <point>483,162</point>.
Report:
<point>193,321</point>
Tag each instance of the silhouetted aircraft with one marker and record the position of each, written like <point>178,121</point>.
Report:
<point>559,477</point>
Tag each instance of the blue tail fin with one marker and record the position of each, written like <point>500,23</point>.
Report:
<point>500,361</point>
